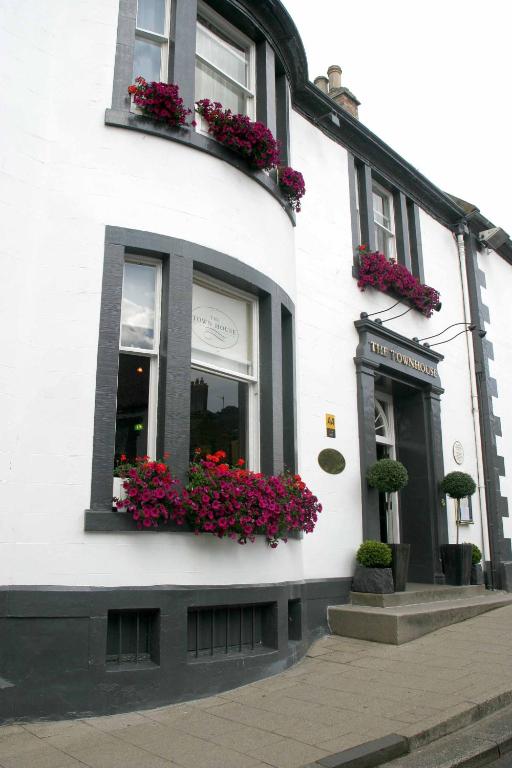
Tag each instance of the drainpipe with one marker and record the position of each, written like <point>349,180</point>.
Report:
<point>461,249</point>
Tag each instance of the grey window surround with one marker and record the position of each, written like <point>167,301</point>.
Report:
<point>271,86</point>
<point>180,259</point>
<point>406,218</point>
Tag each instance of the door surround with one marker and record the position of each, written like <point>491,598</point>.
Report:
<point>381,351</point>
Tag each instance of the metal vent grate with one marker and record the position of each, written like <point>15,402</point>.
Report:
<point>132,637</point>
<point>231,630</point>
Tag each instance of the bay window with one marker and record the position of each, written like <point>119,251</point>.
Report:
<point>195,351</point>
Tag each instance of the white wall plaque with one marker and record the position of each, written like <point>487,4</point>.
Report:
<point>458,452</point>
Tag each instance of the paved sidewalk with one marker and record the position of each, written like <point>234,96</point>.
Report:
<point>344,693</point>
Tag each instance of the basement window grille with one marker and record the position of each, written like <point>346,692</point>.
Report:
<point>132,637</point>
<point>232,630</point>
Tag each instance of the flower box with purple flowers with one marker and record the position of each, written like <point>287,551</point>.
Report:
<point>223,500</point>
<point>376,271</point>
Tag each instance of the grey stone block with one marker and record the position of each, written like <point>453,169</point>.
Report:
<point>379,580</point>
<point>400,624</point>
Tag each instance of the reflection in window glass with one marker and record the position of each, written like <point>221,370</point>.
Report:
<point>147,58</point>
<point>218,415</point>
<point>151,15</point>
<point>211,85</point>
<point>229,58</point>
<point>132,406</point>
<point>138,307</point>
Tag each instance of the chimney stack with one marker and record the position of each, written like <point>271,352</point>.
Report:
<point>334,75</point>
<point>322,82</point>
<point>332,87</point>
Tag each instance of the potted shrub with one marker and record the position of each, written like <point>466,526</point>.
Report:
<point>457,558</point>
<point>477,574</point>
<point>389,476</point>
<point>373,572</point>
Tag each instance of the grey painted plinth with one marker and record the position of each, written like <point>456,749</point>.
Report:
<point>401,624</point>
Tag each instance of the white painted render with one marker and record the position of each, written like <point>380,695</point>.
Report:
<point>66,177</point>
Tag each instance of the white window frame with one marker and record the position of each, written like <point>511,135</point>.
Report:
<point>389,234</point>
<point>239,39</point>
<point>152,354</point>
<point>393,519</point>
<point>253,389</point>
<point>154,37</point>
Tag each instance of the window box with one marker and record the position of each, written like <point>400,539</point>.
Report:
<point>376,271</point>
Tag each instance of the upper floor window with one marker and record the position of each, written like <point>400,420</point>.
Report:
<point>225,64</point>
<point>383,219</point>
<point>150,55</point>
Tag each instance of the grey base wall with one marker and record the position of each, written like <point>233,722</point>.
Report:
<point>53,643</point>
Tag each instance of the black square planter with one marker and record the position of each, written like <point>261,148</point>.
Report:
<point>400,565</point>
<point>457,561</point>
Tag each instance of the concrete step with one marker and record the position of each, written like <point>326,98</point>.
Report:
<point>400,624</point>
<point>416,593</point>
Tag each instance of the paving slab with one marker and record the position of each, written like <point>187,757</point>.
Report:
<point>344,694</point>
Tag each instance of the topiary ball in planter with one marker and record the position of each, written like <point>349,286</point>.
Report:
<point>458,485</point>
<point>374,554</point>
<point>387,475</point>
<point>477,574</point>
<point>476,555</point>
<point>373,574</point>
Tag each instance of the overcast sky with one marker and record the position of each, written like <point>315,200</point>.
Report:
<point>434,82</point>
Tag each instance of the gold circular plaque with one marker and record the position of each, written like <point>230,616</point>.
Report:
<point>331,461</point>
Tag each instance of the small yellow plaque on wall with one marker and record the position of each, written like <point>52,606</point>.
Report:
<point>330,425</point>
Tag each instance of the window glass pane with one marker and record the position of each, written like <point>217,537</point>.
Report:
<point>218,415</point>
<point>227,56</point>
<point>146,60</point>
<point>138,307</point>
<point>132,406</point>
<point>378,203</point>
<point>151,15</point>
<point>381,238</point>
<point>222,330</point>
<point>210,85</point>
<point>381,210</point>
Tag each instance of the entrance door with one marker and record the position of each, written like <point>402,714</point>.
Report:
<point>416,502</point>
<point>385,440</point>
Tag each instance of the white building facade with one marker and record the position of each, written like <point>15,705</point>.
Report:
<point>118,234</point>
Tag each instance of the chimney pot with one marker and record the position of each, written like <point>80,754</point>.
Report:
<point>322,82</point>
<point>334,73</point>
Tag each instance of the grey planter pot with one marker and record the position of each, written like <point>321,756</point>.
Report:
<point>379,580</point>
<point>456,560</point>
<point>400,565</point>
<point>477,574</point>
